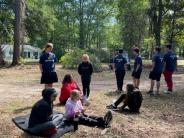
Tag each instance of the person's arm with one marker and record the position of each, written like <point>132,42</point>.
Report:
<point>69,112</point>
<point>44,115</point>
<point>176,64</point>
<point>125,65</point>
<point>138,64</point>
<point>91,69</point>
<point>125,103</point>
<point>153,66</point>
<point>40,66</point>
<point>164,64</point>
<point>79,69</point>
<point>137,68</point>
<point>41,61</point>
<point>113,64</point>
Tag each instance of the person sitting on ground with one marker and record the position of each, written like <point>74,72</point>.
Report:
<point>68,85</point>
<point>41,120</point>
<point>74,111</point>
<point>133,99</point>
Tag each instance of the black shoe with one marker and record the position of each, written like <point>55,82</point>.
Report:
<point>149,92</point>
<point>111,107</point>
<point>108,118</point>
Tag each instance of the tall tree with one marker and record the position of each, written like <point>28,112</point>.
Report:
<point>156,13</point>
<point>17,33</point>
<point>133,20</point>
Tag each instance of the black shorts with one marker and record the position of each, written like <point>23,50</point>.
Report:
<point>137,74</point>
<point>49,77</point>
<point>155,76</point>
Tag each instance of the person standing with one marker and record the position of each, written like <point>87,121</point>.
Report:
<point>47,66</point>
<point>156,71</point>
<point>170,65</point>
<point>119,66</point>
<point>136,74</point>
<point>85,69</point>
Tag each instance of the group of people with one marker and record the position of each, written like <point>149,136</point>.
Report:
<point>41,119</point>
<point>166,64</point>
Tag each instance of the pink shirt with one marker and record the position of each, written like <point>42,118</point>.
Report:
<point>71,108</point>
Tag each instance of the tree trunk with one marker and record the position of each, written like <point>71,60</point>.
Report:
<point>23,6</point>
<point>2,62</point>
<point>81,41</point>
<point>17,27</point>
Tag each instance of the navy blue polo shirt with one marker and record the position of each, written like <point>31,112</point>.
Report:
<point>48,61</point>
<point>170,59</point>
<point>120,62</point>
<point>138,60</point>
<point>158,60</point>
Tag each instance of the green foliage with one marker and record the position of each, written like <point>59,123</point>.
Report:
<point>72,59</point>
<point>103,55</point>
<point>133,20</point>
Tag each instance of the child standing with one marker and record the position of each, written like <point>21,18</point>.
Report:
<point>156,71</point>
<point>136,74</point>
<point>74,111</point>
<point>170,65</point>
<point>85,69</point>
<point>47,66</point>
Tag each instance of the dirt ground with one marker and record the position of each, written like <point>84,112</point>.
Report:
<point>161,117</point>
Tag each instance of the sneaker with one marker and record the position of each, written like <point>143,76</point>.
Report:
<point>156,94</point>
<point>111,106</point>
<point>167,92</point>
<point>149,92</point>
<point>108,118</point>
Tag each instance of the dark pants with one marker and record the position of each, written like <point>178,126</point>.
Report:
<point>47,126</point>
<point>120,78</point>
<point>91,121</point>
<point>86,80</point>
<point>168,79</point>
<point>120,99</point>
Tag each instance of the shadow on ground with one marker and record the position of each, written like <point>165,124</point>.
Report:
<point>22,109</point>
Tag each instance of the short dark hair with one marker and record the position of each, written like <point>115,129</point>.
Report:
<point>130,88</point>
<point>67,78</point>
<point>169,46</point>
<point>120,50</point>
<point>136,49</point>
<point>158,49</point>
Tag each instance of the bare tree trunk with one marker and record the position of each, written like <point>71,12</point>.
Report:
<point>81,33</point>
<point>2,62</point>
<point>17,27</point>
<point>23,6</point>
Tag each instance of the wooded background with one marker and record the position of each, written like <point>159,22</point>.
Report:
<point>94,25</point>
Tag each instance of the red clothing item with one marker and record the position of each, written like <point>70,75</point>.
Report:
<point>50,131</point>
<point>66,90</point>
<point>168,79</point>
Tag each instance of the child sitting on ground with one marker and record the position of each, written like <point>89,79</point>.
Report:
<point>69,84</point>
<point>75,111</point>
<point>133,99</point>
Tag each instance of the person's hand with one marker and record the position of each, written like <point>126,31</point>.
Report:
<point>83,110</point>
<point>78,113</point>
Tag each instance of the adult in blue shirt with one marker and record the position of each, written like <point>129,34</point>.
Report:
<point>47,66</point>
<point>170,65</point>
<point>119,67</point>
<point>136,74</point>
<point>156,71</point>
